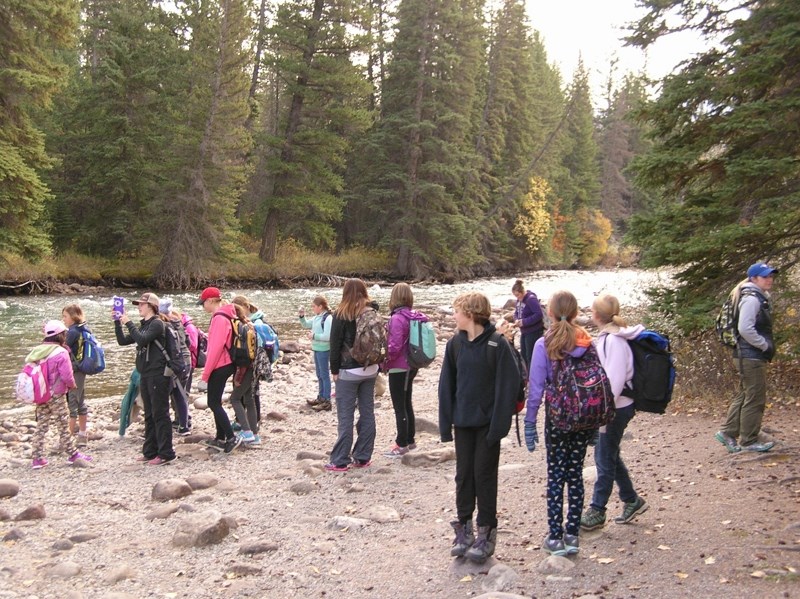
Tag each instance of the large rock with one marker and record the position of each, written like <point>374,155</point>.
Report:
<point>203,480</point>
<point>34,512</point>
<point>381,514</point>
<point>8,487</point>
<point>419,459</point>
<point>170,488</point>
<point>201,529</point>
<point>64,570</point>
<point>500,578</point>
<point>555,564</point>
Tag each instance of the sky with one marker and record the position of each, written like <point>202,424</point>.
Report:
<point>593,29</point>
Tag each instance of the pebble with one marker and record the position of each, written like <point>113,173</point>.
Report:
<point>170,488</point>
<point>8,487</point>
<point>555,564</point>
<point>34,512</point>
<point>499,578</point>
<point>257,547</point>
<point>64,570</point>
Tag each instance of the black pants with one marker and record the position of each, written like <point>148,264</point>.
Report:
<point>476,475</point>
<point>157,423</point>
<point>216,387</point>
<point>400,384</point>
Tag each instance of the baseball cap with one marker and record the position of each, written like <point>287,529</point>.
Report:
<point>209,293</point>
<point>147,298</point>
<point>759,269</point>
<point>54,327</point>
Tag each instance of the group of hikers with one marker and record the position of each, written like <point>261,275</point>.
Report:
<point>478,391</point>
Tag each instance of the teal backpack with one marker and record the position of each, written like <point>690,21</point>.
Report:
<point>421,344</point>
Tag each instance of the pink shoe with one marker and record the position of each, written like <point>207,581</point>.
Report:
<point>39,463</point>
<point>335,468</point>
<point>360,464</point>
<point>79,456</point>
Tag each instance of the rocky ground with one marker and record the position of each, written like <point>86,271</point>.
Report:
<point>272,523</point>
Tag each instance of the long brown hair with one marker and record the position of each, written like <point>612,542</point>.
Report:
<point>401,296</point>
<point>75,313</point>
<point>354,299</point>
<point>563,333</point>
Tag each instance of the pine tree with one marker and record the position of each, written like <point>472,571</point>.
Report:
<point>33,35</point>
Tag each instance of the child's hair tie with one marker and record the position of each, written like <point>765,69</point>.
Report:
<point>563,318</point>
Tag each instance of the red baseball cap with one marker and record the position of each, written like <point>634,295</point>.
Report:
<point>209,293</point>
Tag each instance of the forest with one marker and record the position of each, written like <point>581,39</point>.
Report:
<point>436,134</point>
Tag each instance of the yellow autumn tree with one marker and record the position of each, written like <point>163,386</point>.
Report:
<point>595,233</point>
<point>534,223</point>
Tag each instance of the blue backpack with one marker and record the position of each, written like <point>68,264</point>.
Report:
<point>653,372</point>
<point>91,357</point>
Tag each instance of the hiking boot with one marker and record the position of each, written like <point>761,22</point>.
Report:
<point>464,538</point>
<point>322,406</point>
<point>39,463</point>
<point>216,444</point>
<point>315,401</point>
<point>232,443</point>
<point>336,468</point>
<point>572,544</point>
<point>729,442</point>
<point>593,519</point>
<point>631,510</point>
<point>396,452</point>
<point>483,546</point>
<point>554,546</point>
<point>79,456</point>
<point>766,446</point>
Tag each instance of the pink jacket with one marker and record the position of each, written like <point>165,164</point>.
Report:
<point>220,337</point>
<point>59,366</point>
<point>191,337</point>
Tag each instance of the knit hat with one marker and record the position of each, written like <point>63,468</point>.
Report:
<point>54,327</point>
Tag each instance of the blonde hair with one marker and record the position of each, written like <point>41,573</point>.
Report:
<point>475,305</point>
<point>354,299</point>
<point>606,309</point>
<point>563,333</point>
<point>401,296</point>
<point>75,313</point>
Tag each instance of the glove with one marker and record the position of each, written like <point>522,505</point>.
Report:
<point>531,436</point>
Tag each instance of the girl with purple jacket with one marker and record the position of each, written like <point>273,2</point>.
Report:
<point>528,318</point>
<point>401,375</point>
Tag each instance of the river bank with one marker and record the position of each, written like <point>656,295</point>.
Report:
<point>718,524</point>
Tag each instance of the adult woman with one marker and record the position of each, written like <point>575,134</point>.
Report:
<point>401,375</point>
<point>355,384</point>
<point>528,318</point>
<point>219,366</point>
<point>617,360</point>
<point>566,450</point>
<point>154,386</point>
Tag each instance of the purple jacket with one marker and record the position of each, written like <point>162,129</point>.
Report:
<point>541,369</point>
<point>529,311</point>
<point>397,337</point>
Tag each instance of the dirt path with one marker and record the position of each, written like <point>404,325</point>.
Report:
<point>718,525</point>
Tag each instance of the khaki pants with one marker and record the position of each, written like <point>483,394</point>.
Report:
<point>56,411</point>
<point>747,408</point>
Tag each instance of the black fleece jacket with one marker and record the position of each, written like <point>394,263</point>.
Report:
<point>149,359</point>
<point>472,394</point>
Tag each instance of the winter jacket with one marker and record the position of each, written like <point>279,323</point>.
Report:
<point>192,336</point>
<point>220,340</point>
<point>397,337</point>
<point>320,327</point>
<point>267,338</point>
<point>529,311</point>
<point>472,392</point>
<point>343,335</point>
<point>150,361</point>
<point>74,334</point>
<point>617,358</point>
<point>59,366</point>
<point>755,325</point>
<point>542,370</point>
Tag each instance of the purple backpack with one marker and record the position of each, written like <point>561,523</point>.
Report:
<point>579,397</point>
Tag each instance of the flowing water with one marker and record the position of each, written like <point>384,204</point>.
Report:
<point>22,317</point>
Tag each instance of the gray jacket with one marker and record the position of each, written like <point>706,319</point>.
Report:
<point>755,325</point>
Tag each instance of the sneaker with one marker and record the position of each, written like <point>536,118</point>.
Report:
<point>593,519</point>
<point>361,463</point>
<point>396,452</point>
<point>464,538</point>
<point>336,468</point>
<point>759,446</point>
<point>484,544</point>
<point>236,427</point>
<point>631,510</point>
<point>217,444</point>
<point>322,406</point>
<point>39,463</point>
<point>143,458</point>
<point>175,424</point>
<point>184,431</point>
<point>247,437</point>
<point>412,446</point>
<point>572,544</point>
<point>81,440</point>
<point>232,443</point>
<point>554,546</point>
<point>79,456</point>
<point>159,461</point>
<point>729,442</point>
<point>254,442</point>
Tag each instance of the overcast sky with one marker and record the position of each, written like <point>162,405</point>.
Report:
<point>593,29</point>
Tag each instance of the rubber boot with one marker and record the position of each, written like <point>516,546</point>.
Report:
<point>464,538</point>
<point>483,546</point>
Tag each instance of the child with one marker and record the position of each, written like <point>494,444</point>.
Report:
<point>243,398</point>
<point>60,379</point>
<point>476,399</point>
<point>73,318</point>
<point>320,336</point>
<point>179,385</point>
<point>566,450</point>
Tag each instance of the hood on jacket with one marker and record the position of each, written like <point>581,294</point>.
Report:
<point>627,333</point>
<point>258,315</point>
<point>40,352</point>
<point>185,319</point>
<point>228,310</point>
<point>410,314</point>
<point>582,342</point>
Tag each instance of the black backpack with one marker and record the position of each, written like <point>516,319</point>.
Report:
<point>176,356</point>
<point>653,373</point>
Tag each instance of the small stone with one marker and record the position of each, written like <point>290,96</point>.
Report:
<point>120,573</point>
<point>8,487</point>
<point>63,545</point>
<point>170,488</point>
<point>493,595</point>
<point>64,570</point>
<point>555,564</point>
<point>162,512</point>
<point>419,459</point>
<point>243,570</point>
<point>590,474</point>
<point>201,403</point>
<point>381,514</point>
<point>34,512</point>
<point>356,488</point>
<point>500,578</point>
<point>256,547</point>
<point>347,523</point>
<point>9,438</point>
<point>15,534</point>
<point>303,488</point>
<point>201,529</point>
<point>4,514</point>
<point>310,455</point>
<point>205,480</point>
<point>276,415</point>
<point>423,425</point>
<point>83,537</point>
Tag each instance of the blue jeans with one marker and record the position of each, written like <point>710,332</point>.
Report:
<point>610,467</point>
<point>321,363</point>
<point>350,394</point>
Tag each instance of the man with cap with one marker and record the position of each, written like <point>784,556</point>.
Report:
<point>755,347</point>
<point>151,363</point>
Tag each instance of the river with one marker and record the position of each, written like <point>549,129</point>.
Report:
<point>22,317</point>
